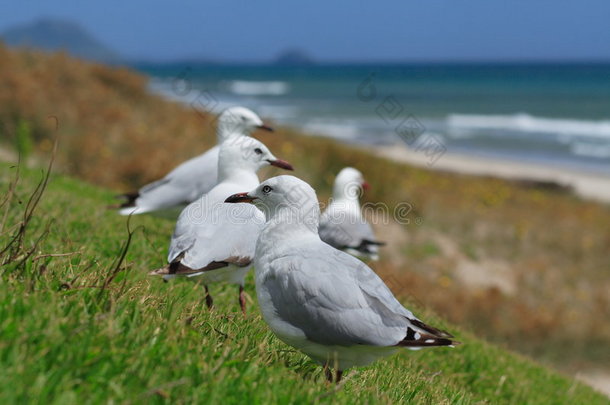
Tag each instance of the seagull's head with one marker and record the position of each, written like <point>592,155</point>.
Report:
<point>284,198</point>
<point>349,183</point>
<point>245,153</point>
<point>239,121</point>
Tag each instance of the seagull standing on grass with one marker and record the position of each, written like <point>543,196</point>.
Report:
<point>321,300</point>
<point>215,242</point>
<point>195,177</point>
<point>342,225</point>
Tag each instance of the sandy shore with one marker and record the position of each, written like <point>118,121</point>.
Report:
<point>598,379</point>
<point>586,185</point>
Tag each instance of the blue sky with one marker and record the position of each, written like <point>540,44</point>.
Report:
<point>338,29</point>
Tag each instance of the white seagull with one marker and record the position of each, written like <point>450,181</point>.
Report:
<point>321,300</point>
<point>342,225</point>
<point>195,177</point>
<point>214,242</point>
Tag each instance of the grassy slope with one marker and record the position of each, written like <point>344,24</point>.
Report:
<point>552,246</point>
<point>144,340</point>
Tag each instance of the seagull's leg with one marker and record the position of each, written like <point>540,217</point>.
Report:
<point>242,300</point>
<point>328,373</point>
<point>208,298</point>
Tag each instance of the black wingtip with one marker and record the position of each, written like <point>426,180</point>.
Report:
<point>373,242</point>
<point>431,342</point>
<point>431,330</point>
<point>415,339</point>
<point>130,199</point>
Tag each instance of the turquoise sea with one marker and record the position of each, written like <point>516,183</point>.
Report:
<point>555,114</point>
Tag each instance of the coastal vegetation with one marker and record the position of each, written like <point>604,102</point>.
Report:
<point>521,266</point>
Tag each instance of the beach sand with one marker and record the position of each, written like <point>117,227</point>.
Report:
<point>584,184</point>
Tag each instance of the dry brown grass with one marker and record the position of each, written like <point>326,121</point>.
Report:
<point>554,245</point>
<point>112,128</point>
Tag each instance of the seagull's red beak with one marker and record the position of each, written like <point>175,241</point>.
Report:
<point>365,185</point>
<point>265,127</point>
<point>281,164</point>
<point>240,198</point>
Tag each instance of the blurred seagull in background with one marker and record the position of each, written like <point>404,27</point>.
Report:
<point>195,177</point>
<point>213,241</point>
<point>318,299</point>
<point>342,225</point>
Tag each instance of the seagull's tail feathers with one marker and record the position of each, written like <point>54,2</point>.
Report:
<point>420,335</point>
<point>429,329</point>
<point>177,269</point>
<point>161,271</point>
<point>130,205</point>
<point>366,242</point>
<point>131,211</point>
<point>367,249</point>
<point>130,199</point>
<point>165,272</point>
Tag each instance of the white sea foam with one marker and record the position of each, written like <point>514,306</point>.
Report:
<point>341,129</point>
<point>528,123</point>
<point>281,113</point>
<point>253,88</point>
<point>591,150</point>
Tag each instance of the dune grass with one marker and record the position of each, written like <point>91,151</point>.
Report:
<point>81,326</point>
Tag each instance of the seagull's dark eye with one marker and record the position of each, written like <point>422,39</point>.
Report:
<point>258,151</point>
<point>267,189</point>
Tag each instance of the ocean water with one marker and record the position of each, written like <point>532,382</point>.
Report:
<point>555,114</point>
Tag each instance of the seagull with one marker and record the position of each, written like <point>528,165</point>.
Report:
<point>195,177</point>
<point>321,300</point>
<point>214,242</point>
<point>342,225</point>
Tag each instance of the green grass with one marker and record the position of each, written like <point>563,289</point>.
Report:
<point>64,340</point>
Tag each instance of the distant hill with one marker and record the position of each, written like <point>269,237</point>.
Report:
<point>53,35</point>
<point>293,57</point>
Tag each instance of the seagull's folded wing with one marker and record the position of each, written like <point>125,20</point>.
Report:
<point>184,232</point>
<point>348,231</point>
<point>197,175</point>
<point>217,233</point>
<point>335,299</point>
<point>182,185</point>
